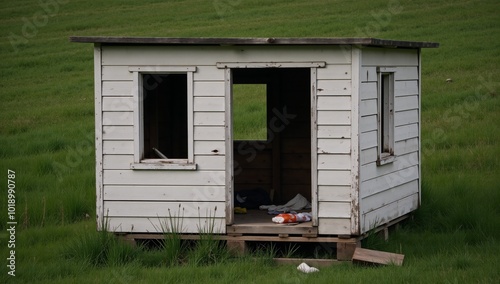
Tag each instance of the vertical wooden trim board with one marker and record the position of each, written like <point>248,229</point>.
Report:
<point>355,102</point>
<point>419,127</point>
<point>229,145</point>
<point>314,148</point>
<point>98,136</point>
<point>190,95</point>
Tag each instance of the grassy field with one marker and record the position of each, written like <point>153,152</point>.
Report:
<point>47,128</point>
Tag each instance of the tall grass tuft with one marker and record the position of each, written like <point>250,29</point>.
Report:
<point>208,249</point>
<point>172,248</point>
<point>100,249</point>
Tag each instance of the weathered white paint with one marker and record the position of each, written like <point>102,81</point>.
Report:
<point>163,225</point>
<point>349,191</point>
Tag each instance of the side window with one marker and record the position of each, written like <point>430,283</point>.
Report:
<point>163,117</point>
<point>385,115</point>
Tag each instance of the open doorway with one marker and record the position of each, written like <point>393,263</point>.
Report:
<point>271,115</point>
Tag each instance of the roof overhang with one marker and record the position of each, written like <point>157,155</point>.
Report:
<point>252,41</point>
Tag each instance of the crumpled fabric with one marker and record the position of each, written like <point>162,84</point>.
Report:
<point>299,202</point>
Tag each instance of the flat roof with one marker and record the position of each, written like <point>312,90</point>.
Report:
<point>105,40</point>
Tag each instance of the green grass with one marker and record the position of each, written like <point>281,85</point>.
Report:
<point>47,126</point>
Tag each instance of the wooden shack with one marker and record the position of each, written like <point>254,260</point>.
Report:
<point>342,122</point>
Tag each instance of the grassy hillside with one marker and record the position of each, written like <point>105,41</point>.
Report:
<point>47,126</point>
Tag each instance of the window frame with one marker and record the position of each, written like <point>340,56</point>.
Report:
<point>385,113</point>
<point>160,164</point>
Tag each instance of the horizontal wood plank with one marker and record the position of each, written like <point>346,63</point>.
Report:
<point>164,193</point>
<point>209,118</point>
<point>334,103</point>
<point>209,133</point>
<point>165,209</point>
<point>334,88</point>
<point>334,226</point>
<point>388,213</point>
<point>138,177</point>
<point>372,170</point>
<point>339,117</point>
<point>334,209</point>
<point>377,257</point>
<point>334,72</point>
<point>368,123</point>
<point>210,55</point>
<point>117,147</point>
<point>334,193</point>
<point>393,179</point>
<point>216,148</point>
<point>118,132</point>
<point>334,131</point>
<point>330,177</point>
<point>389,57</point>
<point>117,88</point>
<point>388,196</point>
<point>162,225</point>
<point>209,88</point>
<point>334,146</point>
<point>334,162</point>
<point>209,103</point>
<point>117,118</point>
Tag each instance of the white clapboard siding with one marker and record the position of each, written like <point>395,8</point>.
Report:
<point>405,103</point>
<point>161,225</point>
<point>118,132</point>
<point>389,212</point>
<point>369,73</point>
<point>144,177</point>
<point>389,57</point>
<point>208,73</point>
<point>368,123</point>
<point>405,88</point>
<point>210,55</point>
<point>334,87</point>
<point>117,162</point>
<point>334,209</point>
<point>117,118</point>
<point>405,132</point>
<point>117,104</point>
<point>116,73</point>
<point>208,103</point>
<point>334,146</point>
<point>209,118</point>
<point>406,117</point>
<point>334,226</point>
<point>369,155</point>
<point>334,162</point>
<point>337,72</point>
<point>117,88</point>
<point>368,140</point>
<point>331,177</point>
<point>371,170</point>
<point>210,163</point>
<point>174,208</point>
<point>117,147</point>
<point>381,183</point>
<point>406,146</point>
<point>209,148</point>
<point>368,90</point>
<point>368,107</point>
<point>334,131</point>
<point>334,193</point>
<point>334,103</point>
<point>388,196</point>
<point>209,133</point>
<point>209,88</point>
<point>339,117</point>
<point>164,193</point>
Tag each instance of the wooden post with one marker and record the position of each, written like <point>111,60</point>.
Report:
<point>345,250</point>
<point>236,248</point>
